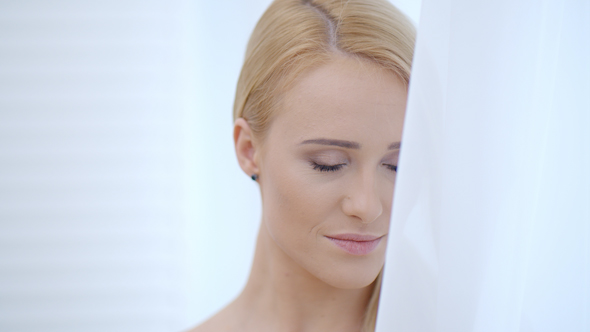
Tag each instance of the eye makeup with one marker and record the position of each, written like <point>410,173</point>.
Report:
<point>326,168</point>
<point>391,161</point>
<point>391,167</point>
<point>328,158</point>
<point>335,160</point>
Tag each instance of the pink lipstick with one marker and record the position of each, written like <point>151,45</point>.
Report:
<point>356,244</point>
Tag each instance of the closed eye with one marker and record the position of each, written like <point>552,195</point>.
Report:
<point>326,168</point>
<point>391,167</point>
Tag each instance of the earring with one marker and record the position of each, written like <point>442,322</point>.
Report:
<point>254,177</point>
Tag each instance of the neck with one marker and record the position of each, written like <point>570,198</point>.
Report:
<point>282,296</point>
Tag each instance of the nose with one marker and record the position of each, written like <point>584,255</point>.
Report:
<point>363,200</point>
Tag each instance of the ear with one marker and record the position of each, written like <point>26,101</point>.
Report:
<point>245,147</point>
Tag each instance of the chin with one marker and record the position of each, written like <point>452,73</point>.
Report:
<point>351,275</point>
<point>350,280</point>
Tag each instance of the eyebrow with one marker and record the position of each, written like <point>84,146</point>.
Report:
<point>334,142</point>
<point>394,146</point>
<point>344,144</point>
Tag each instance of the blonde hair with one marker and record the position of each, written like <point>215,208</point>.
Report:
<point>295,35</point>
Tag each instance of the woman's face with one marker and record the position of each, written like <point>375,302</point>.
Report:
<point>327,170</point>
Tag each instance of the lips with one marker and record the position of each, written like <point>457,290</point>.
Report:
<point>356,244</point>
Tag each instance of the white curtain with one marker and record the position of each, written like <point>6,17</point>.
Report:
<point>491,219</point>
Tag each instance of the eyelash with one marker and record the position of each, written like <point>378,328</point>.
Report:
<point>391,167</point>
<point>326,168</point>
<point>334,168</point>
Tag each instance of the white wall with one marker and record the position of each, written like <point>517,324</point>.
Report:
<point>93,99</point>
<point>226,204</point>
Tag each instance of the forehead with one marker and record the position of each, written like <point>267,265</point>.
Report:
<point>346,98</point>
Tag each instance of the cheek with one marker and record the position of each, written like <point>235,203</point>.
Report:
<point>294,207</point>
<point>387,193</point>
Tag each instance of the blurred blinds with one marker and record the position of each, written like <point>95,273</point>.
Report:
<point>91,165</point>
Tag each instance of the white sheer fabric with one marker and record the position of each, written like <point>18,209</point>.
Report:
<point>491,221</point>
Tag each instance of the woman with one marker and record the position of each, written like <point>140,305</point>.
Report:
<point>318,114</point>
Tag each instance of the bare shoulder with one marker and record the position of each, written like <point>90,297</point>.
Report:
<point>223,321</point>
<point>213,325</point>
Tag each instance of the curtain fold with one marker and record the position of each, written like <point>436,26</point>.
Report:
<point>490,227</point>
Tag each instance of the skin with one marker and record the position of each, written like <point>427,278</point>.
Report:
<point>300,280</point>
